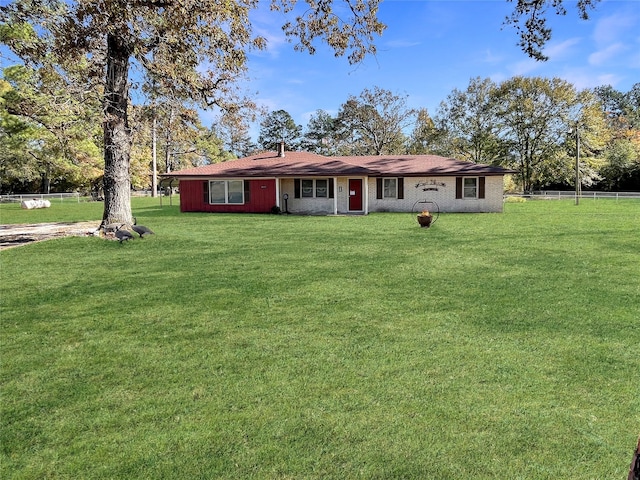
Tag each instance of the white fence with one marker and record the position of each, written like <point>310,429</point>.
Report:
<point>66,197</point>
<point>568,194</point>
<point>52,197</point>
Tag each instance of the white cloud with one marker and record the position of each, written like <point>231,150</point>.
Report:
<point>401,44</point>
<point>558,50</point>
<point>524,67</point>
<point>610,28</point>
<point>582,79</point>
<point>604,55</point>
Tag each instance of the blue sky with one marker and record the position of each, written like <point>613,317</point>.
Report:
<point>431,47</point>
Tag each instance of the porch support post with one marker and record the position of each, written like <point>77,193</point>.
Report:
<point>335,195</point>
<point>277,192</point>
<point>366,195</point>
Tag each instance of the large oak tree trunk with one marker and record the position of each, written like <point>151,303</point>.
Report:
<point>117,136</point>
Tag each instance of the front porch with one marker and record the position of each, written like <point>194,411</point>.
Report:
<point>323,196</point>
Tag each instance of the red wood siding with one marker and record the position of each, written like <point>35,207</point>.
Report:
<point>262,197</point>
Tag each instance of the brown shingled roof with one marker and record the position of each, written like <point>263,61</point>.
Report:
<point>420,165</point>
<point>305,164</point>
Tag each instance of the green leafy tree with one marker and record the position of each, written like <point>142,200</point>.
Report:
<point>622,109</point>
<point>621,170</point>
<point>374,122</point>
<point>471,121</point>
<point>425,138</point>
<point>632,110</point>
<point>17,167</point>
<point>59,144</point>
<point>321,135</point>
<point>276,127</point>
<point>232,128</point>
<point>182,141</point>
<point>171,42</point>
<point>536,114</point>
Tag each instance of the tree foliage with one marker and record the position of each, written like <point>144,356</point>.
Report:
<point>525,123</point>
<point>374,122</point>
<point>232,127</point>
<point>50,134</point>
<point>421,139</point>
<point>536,114</point>
<point>324,21</point>
<point>622,109</point>
<point>472,123</point>
<point>278,126</point>
<point>181,141</point>
<point>621,170</point>
<point>79,58</point>
<point>321,135</point>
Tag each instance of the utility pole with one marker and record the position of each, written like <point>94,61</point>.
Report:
<point>154,162</point>
<point>154,141</point>
<point>578,186</point>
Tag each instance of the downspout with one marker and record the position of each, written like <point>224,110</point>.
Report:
<point>335,195</point>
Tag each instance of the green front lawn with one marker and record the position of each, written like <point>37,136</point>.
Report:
<point>278,347</point>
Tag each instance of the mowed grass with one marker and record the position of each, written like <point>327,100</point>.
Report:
<point>278,347</point>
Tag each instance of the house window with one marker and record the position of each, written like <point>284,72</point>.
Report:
<point>390,188</point>
<point>470,187</point>
<point>307,188</point>
<point>226,191</point>
<point>321,188</point>
<point>312,188</point>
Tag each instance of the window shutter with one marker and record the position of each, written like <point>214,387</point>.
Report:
<point>296,188</point>
<point>247,191</point>
<point>205,192</point>
<point>379,188</point>
<point>458,187</point>
<point>481,187</point>
<point>400,188</point>
<point>331,188</point>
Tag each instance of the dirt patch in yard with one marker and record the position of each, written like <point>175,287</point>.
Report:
<point>23,234</point>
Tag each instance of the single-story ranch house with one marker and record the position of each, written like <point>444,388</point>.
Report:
<point>306,183</point>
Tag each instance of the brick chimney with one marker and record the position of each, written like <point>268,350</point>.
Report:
<point>281,149</point>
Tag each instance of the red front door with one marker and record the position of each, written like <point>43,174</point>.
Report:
<point>355,194</point>
<point>263,195</point>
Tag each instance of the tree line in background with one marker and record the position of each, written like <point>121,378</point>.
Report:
<point>51,137</point>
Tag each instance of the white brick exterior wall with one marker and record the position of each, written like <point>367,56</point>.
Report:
<point>443,195</point>
<point>441,190</point>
